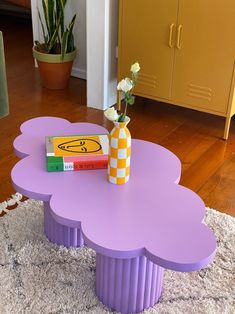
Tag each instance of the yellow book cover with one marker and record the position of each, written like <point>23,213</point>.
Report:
<point>79,145</point>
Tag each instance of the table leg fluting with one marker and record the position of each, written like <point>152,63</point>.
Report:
<point>60,234</point>
<point>128,285</point>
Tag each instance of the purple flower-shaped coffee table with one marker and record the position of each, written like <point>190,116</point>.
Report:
<point>137,229</point>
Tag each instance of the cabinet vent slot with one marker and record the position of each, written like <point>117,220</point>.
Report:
<point>201,92</point>
<point>147,80</point>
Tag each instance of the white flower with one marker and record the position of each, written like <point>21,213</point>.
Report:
<point>111,114</point>
<point>135,68</point>
<point>125,85</point>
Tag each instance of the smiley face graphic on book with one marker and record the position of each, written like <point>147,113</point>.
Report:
<point>84,145</point>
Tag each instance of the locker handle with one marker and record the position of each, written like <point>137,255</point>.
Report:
<point>178,37</point>
<point>170,35</point>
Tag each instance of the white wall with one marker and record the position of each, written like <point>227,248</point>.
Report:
<point>72,7</point>
<point>79,7</point>
<point>113,43</point>
<point>101,53</point>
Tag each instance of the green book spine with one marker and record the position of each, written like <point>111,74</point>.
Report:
<point>55,164</point>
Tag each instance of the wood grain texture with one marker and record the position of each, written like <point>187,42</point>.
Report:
<point>208,162</point>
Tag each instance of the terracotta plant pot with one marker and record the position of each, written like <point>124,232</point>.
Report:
<point>54,72</point>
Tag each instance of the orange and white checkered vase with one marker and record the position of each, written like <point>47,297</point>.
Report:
<point>119,153</point>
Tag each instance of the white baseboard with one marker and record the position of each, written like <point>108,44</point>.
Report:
<point>80,73</point>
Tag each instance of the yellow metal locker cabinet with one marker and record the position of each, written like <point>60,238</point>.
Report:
<point>186,50</point>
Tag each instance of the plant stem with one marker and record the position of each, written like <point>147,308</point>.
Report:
<point>125,111</point>
<point>123,115</point>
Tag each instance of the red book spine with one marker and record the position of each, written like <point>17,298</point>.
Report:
<point>90,164</point>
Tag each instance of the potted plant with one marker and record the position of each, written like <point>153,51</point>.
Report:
<point>55,55</point>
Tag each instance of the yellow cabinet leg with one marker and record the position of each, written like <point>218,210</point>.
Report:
<point>119,99</point>
<point>226,128</point>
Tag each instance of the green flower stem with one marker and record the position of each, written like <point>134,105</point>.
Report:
<point>125,111</point>
<point>123,115</point>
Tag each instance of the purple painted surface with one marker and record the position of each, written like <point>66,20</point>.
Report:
<point>128,285</point>
<point>61,234</point>
<point>149,216</point>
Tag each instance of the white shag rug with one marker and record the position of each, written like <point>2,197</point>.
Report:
<point>37,276</point>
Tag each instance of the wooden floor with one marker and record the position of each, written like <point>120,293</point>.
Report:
<point>208,162</point>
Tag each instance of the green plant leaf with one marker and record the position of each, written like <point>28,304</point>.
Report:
<point>131,100</point>
<point>48,8</point>
<point>121,117</point>
<point>40,47</point>
<point>127,96</point>
<point>60,5</point>
<point>45,14</point>
<point>54,37</point>
<point>42,25</point>
<point>37,44</point>
<point>71,24</point>
<point>64,44</point>
<point>70,43</point>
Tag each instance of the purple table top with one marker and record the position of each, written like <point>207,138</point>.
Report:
<point>151,215</point>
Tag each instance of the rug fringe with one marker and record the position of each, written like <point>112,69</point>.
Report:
<point>15,199</point>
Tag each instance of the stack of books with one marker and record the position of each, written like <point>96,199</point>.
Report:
<point>78,152</point>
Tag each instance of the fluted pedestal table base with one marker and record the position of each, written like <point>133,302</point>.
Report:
<point>128,285</point>
<point>58,233</point>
